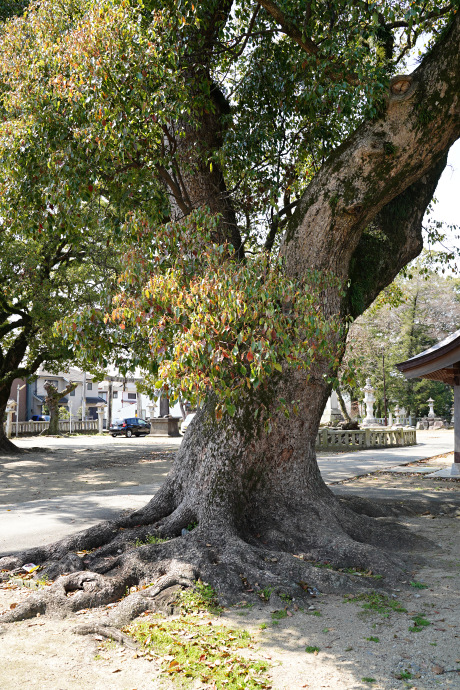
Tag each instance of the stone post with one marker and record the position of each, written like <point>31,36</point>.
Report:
<point>397,415</point>
<point>151,409</point>
<point>100,417</point>
<point>369,400</point>
<point>10,409</point>
<point>430,402</point>
<point>390,419</point>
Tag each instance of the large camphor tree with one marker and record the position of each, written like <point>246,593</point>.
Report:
<point>268,169</point>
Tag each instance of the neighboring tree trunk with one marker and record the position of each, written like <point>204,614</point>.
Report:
<point>6,446</point>
<point>343,407</point>
<point>53,396</point>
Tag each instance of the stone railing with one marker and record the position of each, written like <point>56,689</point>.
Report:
<point>35,428</point>
<point>338,440</point>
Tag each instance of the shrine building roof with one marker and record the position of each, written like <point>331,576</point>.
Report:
<point>441,362</point>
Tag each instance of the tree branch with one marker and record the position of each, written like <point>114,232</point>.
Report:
<point>335,70</point>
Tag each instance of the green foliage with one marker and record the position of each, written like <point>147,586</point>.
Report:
<point>418,585</point>
<point>96,100</point>
<point>279,615</point>
<point>191,651</point>
<point>378,603</point>
<point>312,650</point>
<point>420,622</point>
<point>200,597</point>
<point>411,316</point>
<point>210,322</point>
<point>150,539</point>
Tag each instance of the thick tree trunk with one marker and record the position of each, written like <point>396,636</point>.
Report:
<point>53,429</point>
<point>7,447</point>
<point>255,490</point>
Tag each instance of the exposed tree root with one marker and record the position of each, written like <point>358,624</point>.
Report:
<point>7,447</point>
<point>104,631</point>
<point>290,555</point>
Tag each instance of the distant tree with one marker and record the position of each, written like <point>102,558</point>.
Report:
<point>53,396</point>
<point>419,311</point>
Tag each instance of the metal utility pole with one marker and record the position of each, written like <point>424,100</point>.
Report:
<point>109,402</point>
<point>384,389</point>
<point>19,388</point>
<point>83,399</point>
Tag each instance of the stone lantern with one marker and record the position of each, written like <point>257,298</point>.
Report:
<point>10,409</point>
<point>100,417</point>
<point>397,415</point>
<point>151,407</point>
<point>369,400</point>
<point>430,402</point>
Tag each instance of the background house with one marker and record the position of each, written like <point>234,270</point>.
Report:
<point>124,400</point>
<point>85,394</point>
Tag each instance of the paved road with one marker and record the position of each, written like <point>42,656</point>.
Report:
<point>335,467</point>
<point>35,522</point>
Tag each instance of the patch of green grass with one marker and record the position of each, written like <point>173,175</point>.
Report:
<point>380,603</point>
<point>263,626</point>
<point>200,597</point>
<point>325,630</point>
<point>405,675</point>
<point>265,593</point>
<point>278,615</point>
<point>191,652</point>
<point>150,539</point>
<point>373,639</point>
<point>420,622</point>
<point>367,679</point>
<point>323,564</point>
<point>286,597</point>
<point>191,526</point>
<point>418,585</point>
<point>311,650</point>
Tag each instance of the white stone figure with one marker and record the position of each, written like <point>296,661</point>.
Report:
<point>430,402</point>
<point>151,409</point>
<point>10,409</point>
<point>369,400</point>
<point>397,415</point>
<point>100,417</point>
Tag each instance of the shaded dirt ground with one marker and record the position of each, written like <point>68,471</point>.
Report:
<point>86,464</point>
<point>46,653</point>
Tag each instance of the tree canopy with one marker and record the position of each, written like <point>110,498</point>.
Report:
<point>418,312</point>
<point>267,166</point>
<point>100,103</point>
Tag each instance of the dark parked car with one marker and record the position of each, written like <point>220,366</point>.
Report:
<point>130,427</point>
<point>40,418</point>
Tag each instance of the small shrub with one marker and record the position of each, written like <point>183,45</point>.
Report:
<point>312,650</point>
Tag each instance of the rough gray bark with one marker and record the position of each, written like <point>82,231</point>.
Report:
<point>53,396</point>
<point>263,511</point>
<point>7,447</point>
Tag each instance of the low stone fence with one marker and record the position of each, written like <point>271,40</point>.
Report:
<point>338,440</point>
<point>35,428</point>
